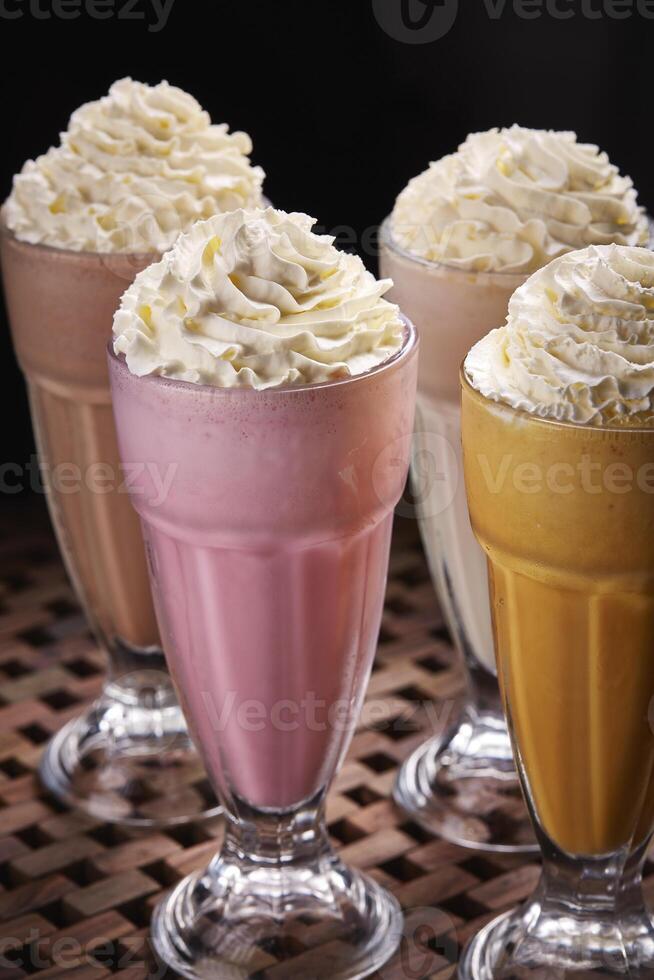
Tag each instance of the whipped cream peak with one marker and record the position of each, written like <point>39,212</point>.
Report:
<point>578,343</point>
<point>511,200</point>
<point>255,298</point>
<point>132,171</point>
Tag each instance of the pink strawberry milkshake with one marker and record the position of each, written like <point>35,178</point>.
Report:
<point>269,552</point>
<point>263,371</point>
<point>269,558</point>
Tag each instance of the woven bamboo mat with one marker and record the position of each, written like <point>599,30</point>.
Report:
<point>76,895</point>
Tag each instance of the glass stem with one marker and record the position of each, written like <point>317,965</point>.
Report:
<point>483,690</point>
<point>594,885</point>
<point>591,910</point>
<point>138,677</point>
<point>139,703</point>
<point>276,840</point>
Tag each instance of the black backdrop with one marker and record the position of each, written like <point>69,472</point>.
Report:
<point>341,112</point>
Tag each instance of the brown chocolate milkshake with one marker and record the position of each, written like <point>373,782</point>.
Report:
<point>132,170</point>
<point>98,532</point>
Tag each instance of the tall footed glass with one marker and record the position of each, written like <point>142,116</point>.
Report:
<point>269,557</point>
<point>461,783</point>
<point>565,514</point>
<point>128,758</point>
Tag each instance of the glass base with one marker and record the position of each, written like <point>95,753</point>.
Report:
<point>463,786</point>
<point>318,920</point>
<point>131,765</point>
<point>530,943</point>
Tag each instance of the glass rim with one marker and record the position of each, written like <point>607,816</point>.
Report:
<point>387,238</point>
<point>548,423</point>
<point>408,348</point>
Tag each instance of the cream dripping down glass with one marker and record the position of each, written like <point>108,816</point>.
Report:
<point>131,171</point>
<point>462,237</point>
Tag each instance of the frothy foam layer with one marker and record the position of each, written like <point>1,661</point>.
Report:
<point>578,344</point>
<point>256,299</point>
<point>132,171</point>
<point>511,200</point>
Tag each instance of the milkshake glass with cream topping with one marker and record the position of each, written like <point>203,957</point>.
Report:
<point>558,442</point>
<point>131,172</point>
<point>462,237</point>
<point>266,368</point>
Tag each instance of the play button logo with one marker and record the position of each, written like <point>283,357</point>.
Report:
<point>416,21</point>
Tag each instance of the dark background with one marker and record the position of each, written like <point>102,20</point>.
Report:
<point>341,113</point>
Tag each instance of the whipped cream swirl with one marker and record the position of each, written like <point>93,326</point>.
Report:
<point>255,298</point>
<point>578,343</point>
<point>132,171</point>
<point>511,200</point>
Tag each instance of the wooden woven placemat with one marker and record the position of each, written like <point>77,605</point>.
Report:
<point>76,895</point>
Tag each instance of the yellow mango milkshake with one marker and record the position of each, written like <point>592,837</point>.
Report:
<point>558,445</point>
